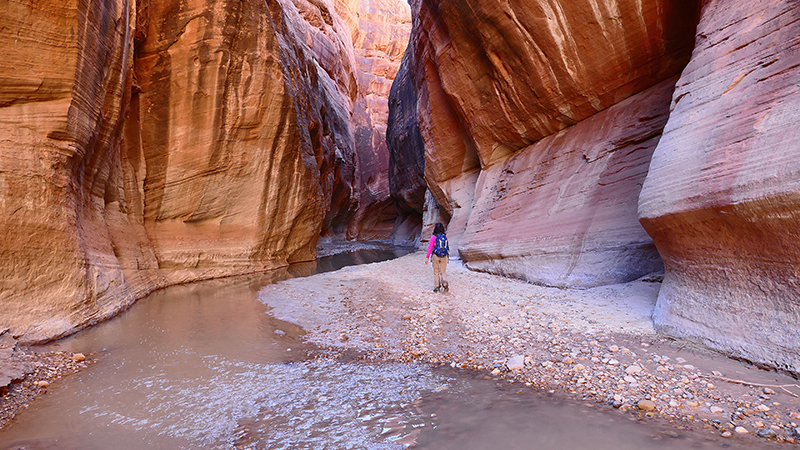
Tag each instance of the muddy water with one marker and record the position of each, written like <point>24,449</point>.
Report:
<point>206,366</point>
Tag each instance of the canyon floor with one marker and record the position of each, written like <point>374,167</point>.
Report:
<point>595,345</point>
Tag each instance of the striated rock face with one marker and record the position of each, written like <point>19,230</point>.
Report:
<point>721,198</point>
<point>531,150</point>
<point>563,212</point>
<point>151,143</point>
<point>380,42</point>
<point>495,76</point>
<point>64,75</point>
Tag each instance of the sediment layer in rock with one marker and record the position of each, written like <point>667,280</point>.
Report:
<point>721,197</point>
<point>522,157</point>
<point>563,211</point>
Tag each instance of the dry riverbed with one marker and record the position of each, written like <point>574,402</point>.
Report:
<point>596,345</point>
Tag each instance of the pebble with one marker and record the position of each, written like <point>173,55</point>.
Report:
<point>516,362</point>
<point>741,430</point>
<point>716,409</point>
<point>646,405</point>
<point>613,349</point>
<point>767,433</point>
<point>727,434</point>
<point>78,357</point>
<point>43,384</point>
<point>280,332</point>
<point>633,370</point>
<point>762,408</point>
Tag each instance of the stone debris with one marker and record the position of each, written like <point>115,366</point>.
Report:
<point>483,326</point>
<point>39,370</point>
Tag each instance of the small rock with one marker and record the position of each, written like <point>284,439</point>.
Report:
<point>613,362</point>
<point>767,433</point>
<point>280,332</point>
<point>580,367</point>
<point>646,405</point>
<point>613,349</point>
<point>78,357</point>
<point>43,384</point>
<point>741,430</point>
<point>768,391</point>
<point>633,370</point>
<point>516,362</point>
<point>727,434</point>
<point>716,410</point>
<point>630,379</point>
<point>762,408</point>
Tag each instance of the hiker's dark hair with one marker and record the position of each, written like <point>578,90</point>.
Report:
<point>438,229</point>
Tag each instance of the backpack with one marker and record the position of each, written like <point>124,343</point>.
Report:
<point>441,248</point>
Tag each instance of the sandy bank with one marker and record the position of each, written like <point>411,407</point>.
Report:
<point>597,345</point>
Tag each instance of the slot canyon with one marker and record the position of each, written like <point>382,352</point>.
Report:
<point>569,144</point>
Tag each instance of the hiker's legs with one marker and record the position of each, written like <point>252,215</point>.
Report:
<point>437,262</point>
<point>443,270</point>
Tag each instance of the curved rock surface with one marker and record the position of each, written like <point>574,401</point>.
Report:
<point>150,143</point>
<point>562,212</point>
<point>721,198</point>
<point>537,176</point>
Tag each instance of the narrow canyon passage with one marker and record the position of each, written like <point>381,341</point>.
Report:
<point>619,182</point>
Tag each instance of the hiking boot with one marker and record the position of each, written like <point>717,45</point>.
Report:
<point>436,289</point>
<point>446,287</point>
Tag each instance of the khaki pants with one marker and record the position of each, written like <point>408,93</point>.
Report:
<point>439,269</point>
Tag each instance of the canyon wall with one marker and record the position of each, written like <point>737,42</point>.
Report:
<point>152,143</point>
<point>535,174</point>
<point>722,198</point>
<point>583,143</point>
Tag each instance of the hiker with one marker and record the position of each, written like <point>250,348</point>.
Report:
<point>440,249</point>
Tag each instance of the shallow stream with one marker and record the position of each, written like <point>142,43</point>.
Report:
<point>206,366</point>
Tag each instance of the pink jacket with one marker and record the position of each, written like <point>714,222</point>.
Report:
<point>431,244</point>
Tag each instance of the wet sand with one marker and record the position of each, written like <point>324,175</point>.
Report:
<point>596,345</point>
<point>41,370</point>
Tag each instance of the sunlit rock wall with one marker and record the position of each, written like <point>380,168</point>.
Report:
<point>513,93</point>
<point>722,198</point>
<point>151,143</point>
<point>63,80</point>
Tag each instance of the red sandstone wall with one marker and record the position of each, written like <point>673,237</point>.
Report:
<point>149,143</point>
<point>512,106</point>
<point>721,197</point>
